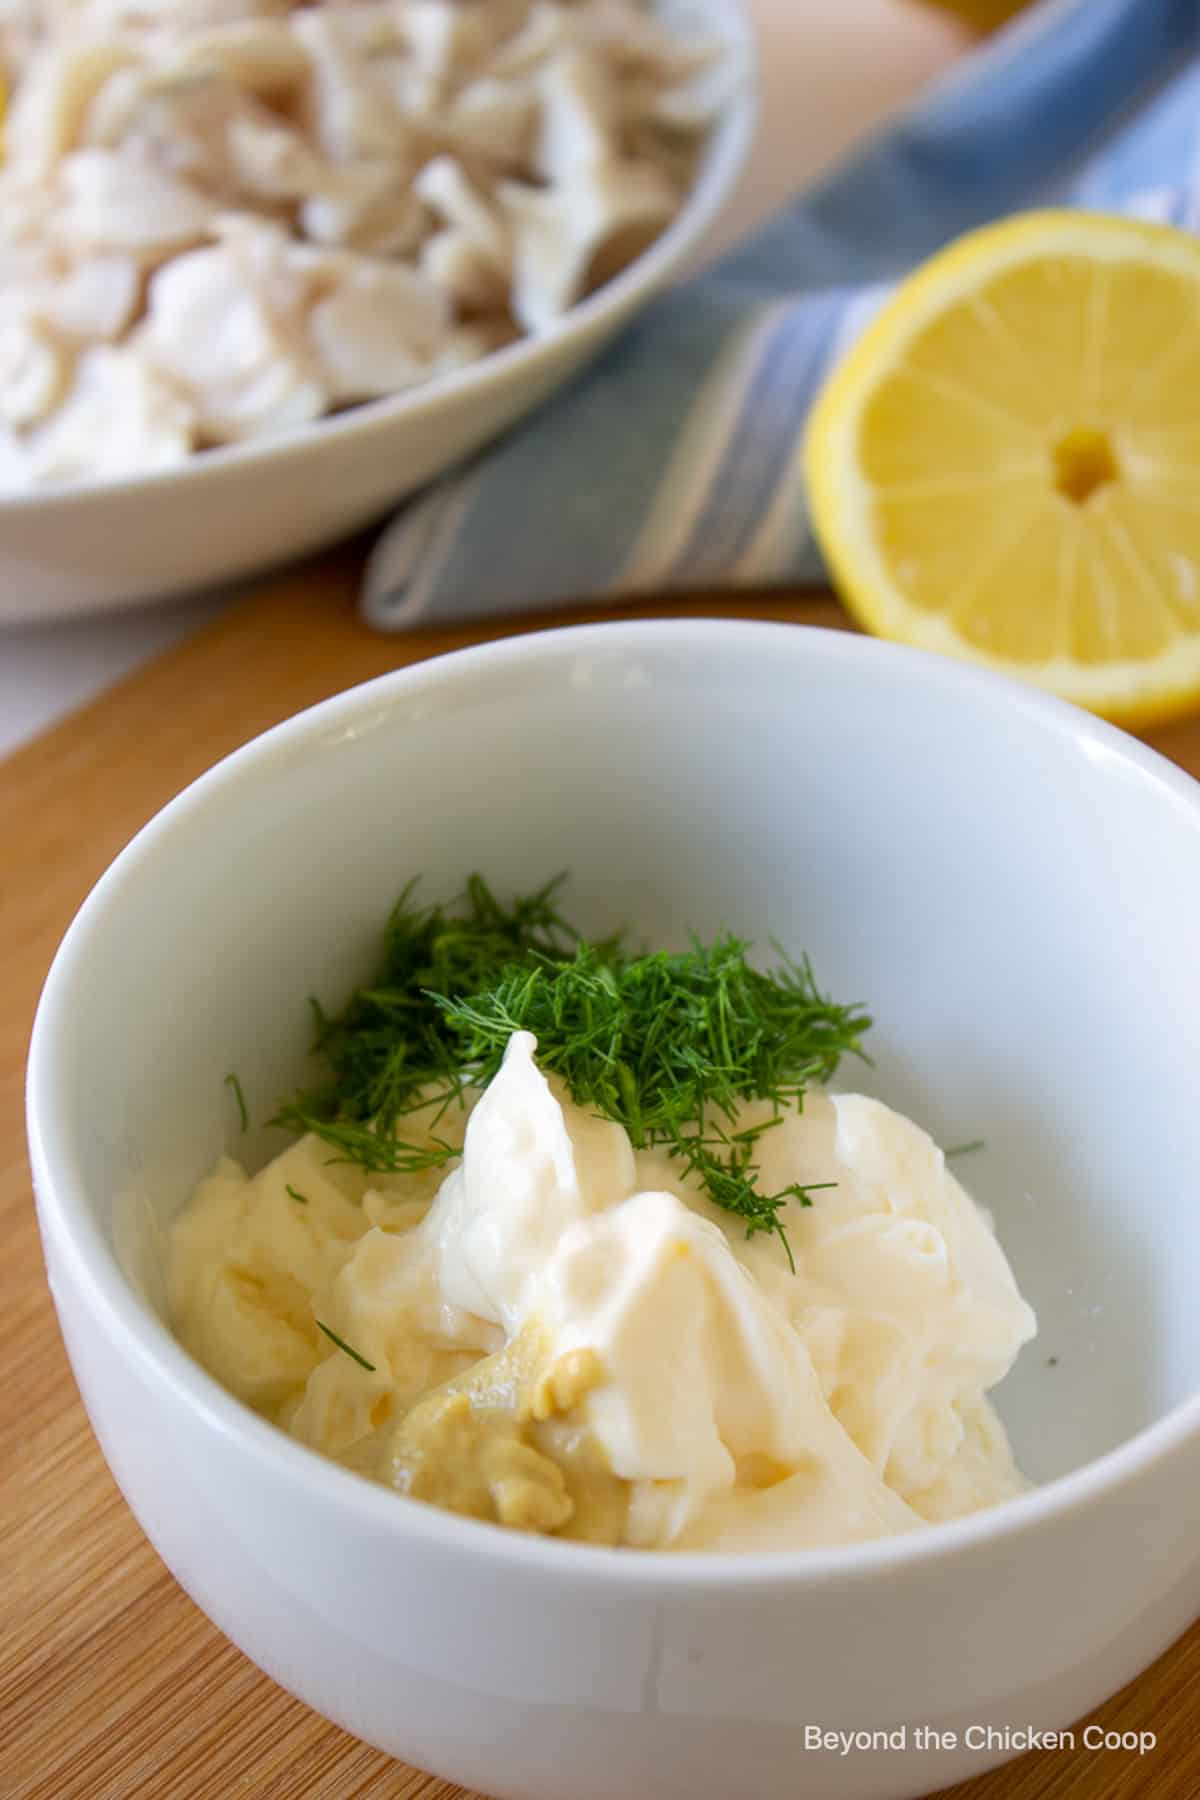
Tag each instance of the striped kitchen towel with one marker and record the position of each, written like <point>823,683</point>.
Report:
<point>1084,102</point>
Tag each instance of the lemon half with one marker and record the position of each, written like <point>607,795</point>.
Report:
<point>1006,466</point>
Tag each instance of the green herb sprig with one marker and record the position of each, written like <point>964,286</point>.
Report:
<point>665,1043</point>
<point>232,1082</point>
<point>392,1048</point>
<point>343,1345</point>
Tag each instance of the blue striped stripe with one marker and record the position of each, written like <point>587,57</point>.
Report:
<point>763,439</point>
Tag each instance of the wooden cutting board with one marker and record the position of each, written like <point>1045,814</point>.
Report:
<point>112,1685</point>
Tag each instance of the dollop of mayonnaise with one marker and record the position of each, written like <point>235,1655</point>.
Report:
<point>744,1404</point>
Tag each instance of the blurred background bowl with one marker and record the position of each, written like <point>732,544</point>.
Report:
<point>101,546</point>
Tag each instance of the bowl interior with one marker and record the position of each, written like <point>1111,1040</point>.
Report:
<point>1011,888</point>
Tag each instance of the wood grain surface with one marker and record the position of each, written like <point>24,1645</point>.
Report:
<point>113,1686</point>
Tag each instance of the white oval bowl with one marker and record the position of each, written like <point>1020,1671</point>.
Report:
<point>1011,886</point>
<point>104,546</point>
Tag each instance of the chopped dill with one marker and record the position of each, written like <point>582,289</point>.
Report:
<point>343,1345</point>
<point>231,1081</point>
<point>302,1198</point>
<point>965,1149</point>
<point>665,1043</point>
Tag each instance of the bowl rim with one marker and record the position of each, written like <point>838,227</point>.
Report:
<point>722,160</point>
<point>129,1322</point>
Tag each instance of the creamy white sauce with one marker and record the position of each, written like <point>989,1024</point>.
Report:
<point>749,1407</point>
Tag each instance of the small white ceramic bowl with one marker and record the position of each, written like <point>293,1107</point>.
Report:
<point>104,545</point>
<point>1012,887</point>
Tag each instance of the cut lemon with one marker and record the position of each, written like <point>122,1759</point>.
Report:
<point>1006,466</point>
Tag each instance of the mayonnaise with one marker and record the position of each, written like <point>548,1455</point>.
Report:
<point>737,1404</point>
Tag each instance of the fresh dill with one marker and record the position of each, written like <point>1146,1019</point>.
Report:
<point>665,1043</point>
<point>302,1198</point>
<point>965,1149</point>
<point>343,1345</point>
<point>231,1081</point>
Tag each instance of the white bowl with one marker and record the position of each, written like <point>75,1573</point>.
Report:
<point>105,545</point>
<point>1012,887</point>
